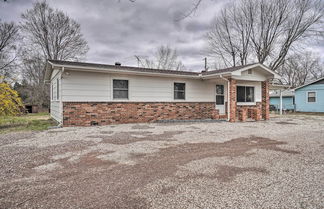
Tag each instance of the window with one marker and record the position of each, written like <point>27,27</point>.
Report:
<point>311,96</point>
<point>249,71</point>
<point>245,94</point>
<point>220,94</point>
<point>120,89</point>
<point>179,90</point>
<point>57,89</point>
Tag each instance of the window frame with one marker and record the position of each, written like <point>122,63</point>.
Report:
<point>174,91</point>
<point>245,102</point>
<point>223,94</point>
<point>307,97</point>
<point>112,89</point>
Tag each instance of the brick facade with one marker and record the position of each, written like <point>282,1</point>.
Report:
<point>232,98</point>
<point>250,111</point>
<point>265,100</point>
<point>104,113</point>
<point>242,112</point>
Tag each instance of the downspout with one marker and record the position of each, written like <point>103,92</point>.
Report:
<point>61,102</point>
<point>280,110</point>
<point>228,97</point>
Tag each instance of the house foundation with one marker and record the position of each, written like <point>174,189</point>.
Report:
<point>105,113</point>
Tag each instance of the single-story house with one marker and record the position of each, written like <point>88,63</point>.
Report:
<point>288,99</point>
<point>85,94</point>
<point>310,97</point>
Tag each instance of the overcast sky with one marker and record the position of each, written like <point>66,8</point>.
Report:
<point>116,30</point>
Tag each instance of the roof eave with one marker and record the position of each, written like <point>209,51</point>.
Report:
<point>308,83</point>
<point>48,71</point>
<point>109,70</point>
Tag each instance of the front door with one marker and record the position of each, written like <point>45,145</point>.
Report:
<point>220,99</point>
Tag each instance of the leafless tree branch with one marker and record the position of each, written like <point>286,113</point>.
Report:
<point>164,58</point>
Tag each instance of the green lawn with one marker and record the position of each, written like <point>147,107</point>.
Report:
<point>29,122</point>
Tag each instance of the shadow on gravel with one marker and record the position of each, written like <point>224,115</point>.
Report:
<point>136,136</point>
<point>286,123</point>
<point>115,185</point>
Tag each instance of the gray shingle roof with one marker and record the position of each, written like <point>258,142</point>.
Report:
<point>126,68</point>
<point>146,70</point>
<point>225,70</point>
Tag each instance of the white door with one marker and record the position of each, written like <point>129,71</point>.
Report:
<point>220,99</point>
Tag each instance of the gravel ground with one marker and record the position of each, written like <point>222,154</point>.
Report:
<point>268,164</point>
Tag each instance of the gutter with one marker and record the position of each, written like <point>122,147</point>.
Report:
<point>228,96</point>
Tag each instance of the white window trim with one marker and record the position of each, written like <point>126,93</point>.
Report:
<point>315,97</point>
<point>177,100</point>
<point>224,94</point>
<point>112,90</point>
<point>246,103</point>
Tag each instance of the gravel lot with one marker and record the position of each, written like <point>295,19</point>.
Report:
<point>268,164</point>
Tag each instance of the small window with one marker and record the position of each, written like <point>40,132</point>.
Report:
<point>179,90</point>
<point>57,89</point>
<point>220,95</point>
<point>120,89</point>
<point>249,71</point>
<point>311,96</point>
<point>245,94</point>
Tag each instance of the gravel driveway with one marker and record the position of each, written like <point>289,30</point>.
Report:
<point>268,164</point>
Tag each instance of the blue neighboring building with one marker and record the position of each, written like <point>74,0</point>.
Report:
<point>288,100</point>
<point>310,97</point>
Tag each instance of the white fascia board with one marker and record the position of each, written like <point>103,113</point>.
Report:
<point>108,70</point>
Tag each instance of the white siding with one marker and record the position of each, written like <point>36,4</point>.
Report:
<point>80,86</point>
<point>256,75</point>
<point>55,110</point>
<point>85,86</point>
<point>56,105</point>
<point>91,86</point>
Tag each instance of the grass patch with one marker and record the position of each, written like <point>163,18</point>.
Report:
<point>29,122</point>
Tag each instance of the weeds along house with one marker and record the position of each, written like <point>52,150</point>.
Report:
<point>85,94</point>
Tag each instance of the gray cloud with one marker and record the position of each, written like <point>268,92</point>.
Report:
<point>118,30</point>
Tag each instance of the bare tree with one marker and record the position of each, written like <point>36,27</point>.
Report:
<point>264,31</point>
<point>32,68</point>
<point>8,49</point>
<point>230,37</point>
<point>47,34</point>
<point>54,33</point>
<point>164,58</point>
<point>299,69</point>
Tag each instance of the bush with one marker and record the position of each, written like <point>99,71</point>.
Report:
<point>10,102</point>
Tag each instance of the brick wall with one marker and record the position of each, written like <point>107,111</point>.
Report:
<point>232,97</point>
<point>252,111</point>
<point>104,113</point>
<point>265,100</point>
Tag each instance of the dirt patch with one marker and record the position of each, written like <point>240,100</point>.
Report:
<point>106,186</point>
<point>106,132</point>
<point>53,132</point>
<point>168,189</point>
<point>142,127</point>
<point>193,127</point>
<point>134,136</point>
<point>286,123</point>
